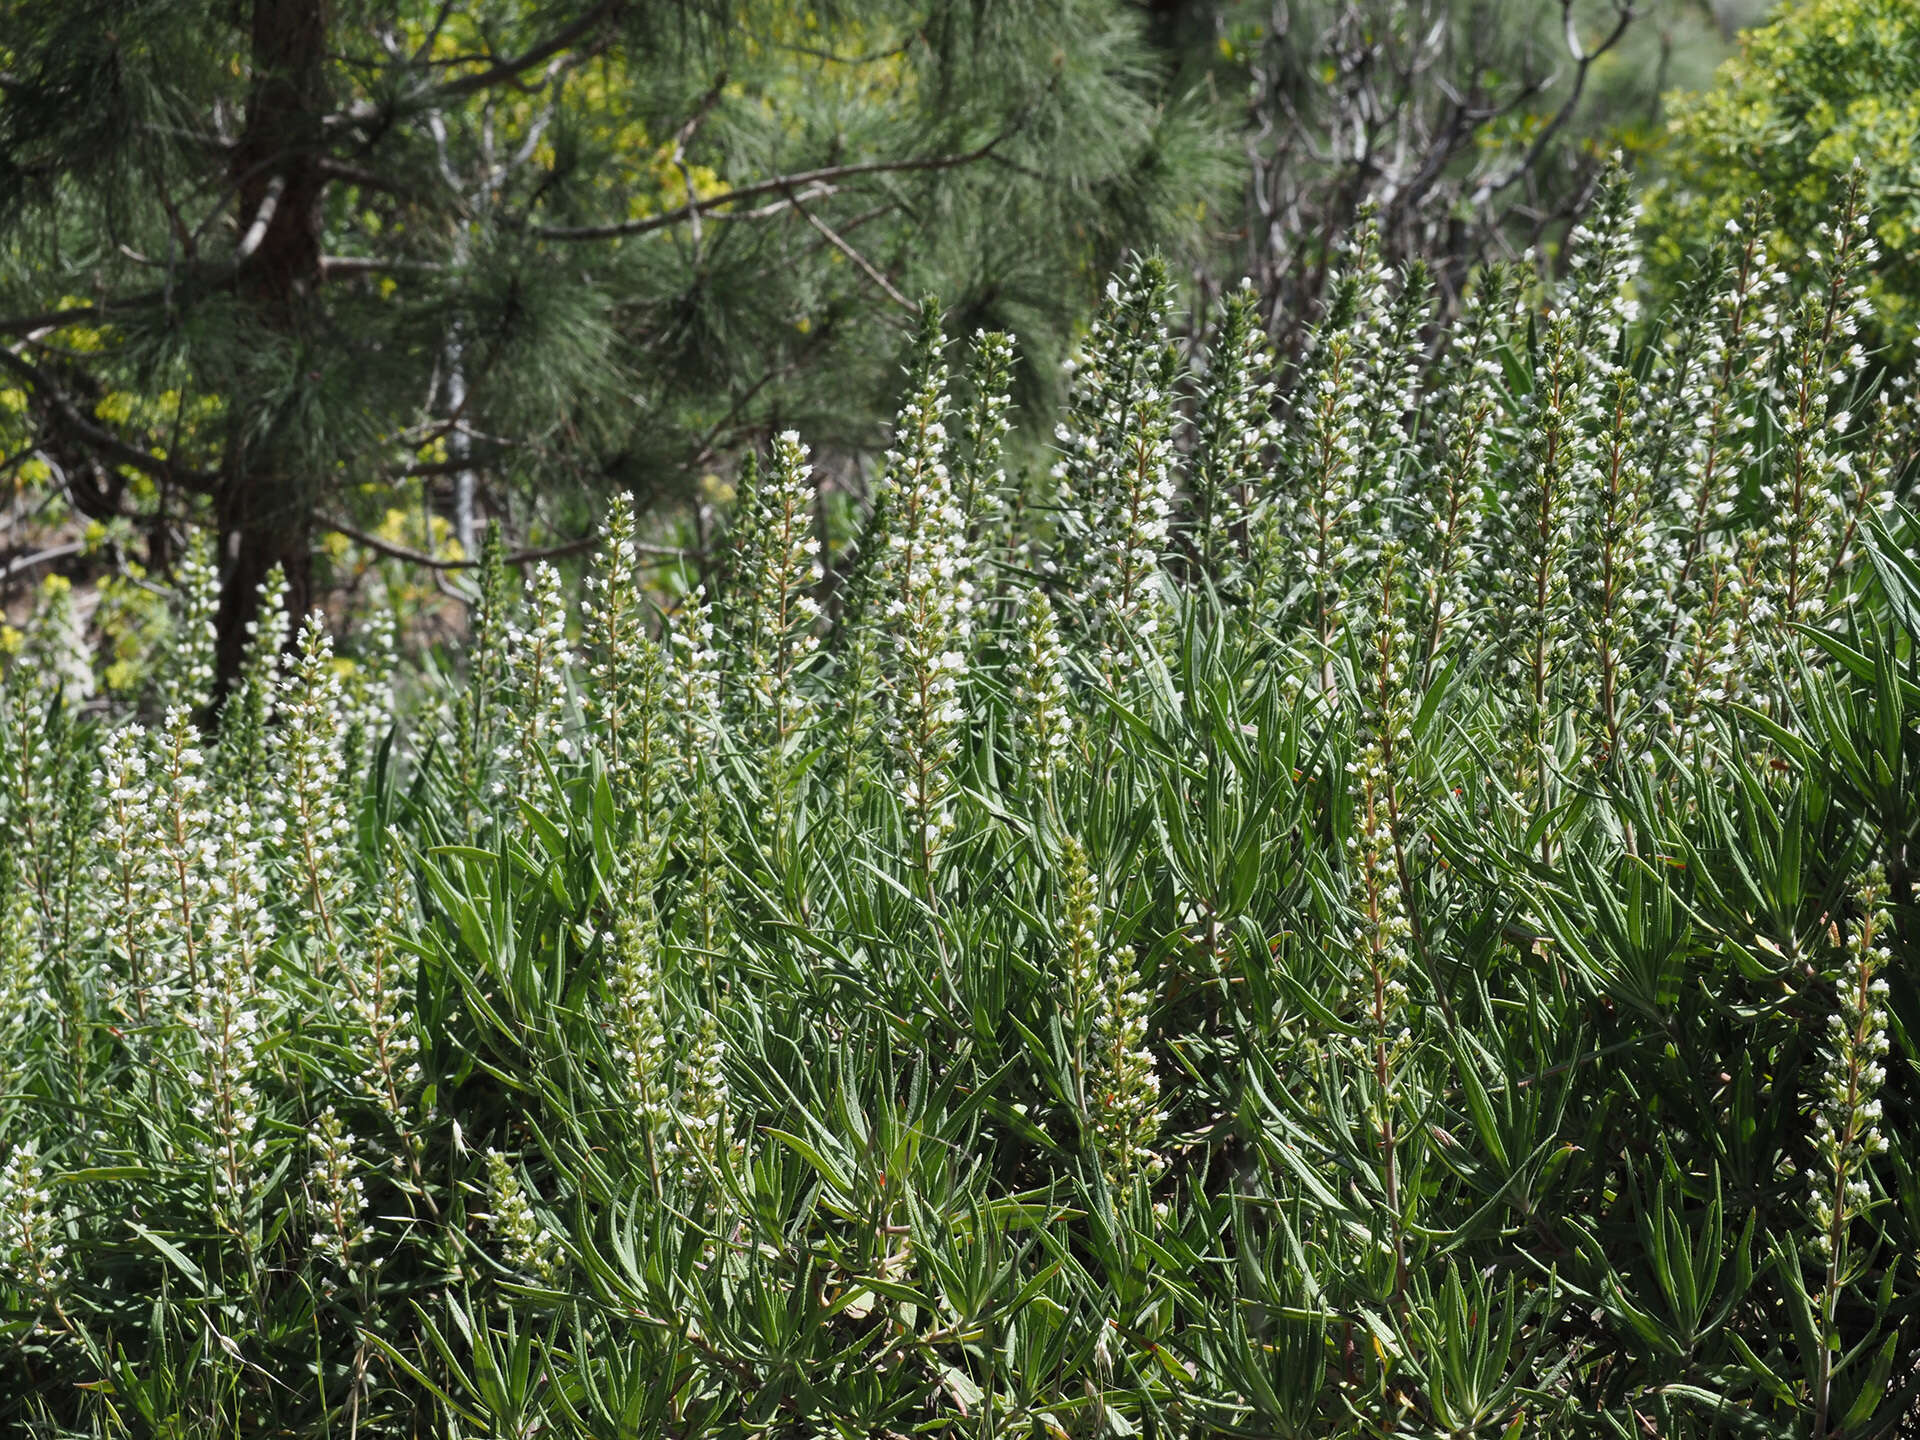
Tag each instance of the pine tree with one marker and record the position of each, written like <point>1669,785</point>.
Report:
<point>253,254</point>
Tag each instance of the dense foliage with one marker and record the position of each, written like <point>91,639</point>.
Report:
<point>1390,920</point>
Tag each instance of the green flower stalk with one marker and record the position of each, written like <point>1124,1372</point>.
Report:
<point>242,755</point>
<point>1042,713</point>
<point>1235,435</point>
<point>773,627</point>
<point>311,829</point>
<point>625,699</point>
<point>1847,1113</point>
<point>524,1242</point>
<point>926,620</point>
<point>1110,1012</point>
<point>336,1195</point>
<point>33,1257</point>
<point>186,672</point>
<point>1114,479</point>
<point>539,663</point>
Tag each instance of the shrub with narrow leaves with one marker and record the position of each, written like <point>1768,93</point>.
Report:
<point>1379,901</point>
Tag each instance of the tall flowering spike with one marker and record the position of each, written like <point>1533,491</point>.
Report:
<point>928,603</point>
<point>1890,449</point>
<point>312,830</point>
<point>380,981</point>
<point>1115,472</point>
<point>185,858</point>
<point>625,698</point>
<point>22,979</point>
<point>773,623</point>
<point>374,710</point>
<point>1464,415</point>
<point>1806,497</point>
<point>1110,1012</point>
<point>525,1243</point>
<point>33,1256</point>
<point>1716,452</point>
<point>1383,744</point>
<point>1042,713</point>
<point>1234,437</point>
<point>336,1195</point>
<point>1603,256</point>
<point>1398,340</point>
<point>539,664</point>
<point>1331,514</point>
<point>1847,1111</point>
<point>227,1016</point>
<point>244,723</point>
<point>636,993</point>
<point>860,659</point>
<point>1543,521</point>
<point>187,667</point>
<point>703,1100</point>
<point>128,868</point>
<point>983,433</point>
<point>693,688</point>
<point>1614,592</point>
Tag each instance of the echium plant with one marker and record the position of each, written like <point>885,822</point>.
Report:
<point>539,666</point>
<point>625,702</point>
<point>1451,508</point>
<point>1373,1016</point>
<point>310,828</point>
<point>186,672</point>
<point>981,480</point>
<point>1114,479</point>
<point>1235,434</point>
<point>1847,1115</point>
<point>1042,708</point>
<point>1109,1012</point>
<point>928,591</point>
<point>772,626</point>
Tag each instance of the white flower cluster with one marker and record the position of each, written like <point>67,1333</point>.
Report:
<point>1110,1010</point>
<point>1455,513</point>
<point>1383,739</point>
<point>187,668</point>
<point>380,987</point>
<point>248,712</point>
<point>774,627</point>
<point>693,693</point>
<point>226,1021</point>
<point>311,828</point>
<point>1116,487</point>
<point>1043,725</point>
<point>539,662</point>
<point>1236,435</point>
<point>627,671</point>
<point>1846,1112</point>
<point>524,1242</point>
<point>336,1196</point>
<point>636,994</point>
<point>925,581</point>
<point>32,1254</point>
<point>983,436</point>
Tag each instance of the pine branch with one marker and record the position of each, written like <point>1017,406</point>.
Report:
<point>779,184</point>
<point>663,553</point>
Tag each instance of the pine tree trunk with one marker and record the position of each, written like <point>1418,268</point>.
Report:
<point>266,500</point>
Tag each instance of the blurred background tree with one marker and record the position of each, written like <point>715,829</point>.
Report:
<point>1472,129</point>
<point>273,266</point>
<point>1827,84</point>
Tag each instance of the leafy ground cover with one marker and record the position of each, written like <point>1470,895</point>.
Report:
<point>1386,920</point>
